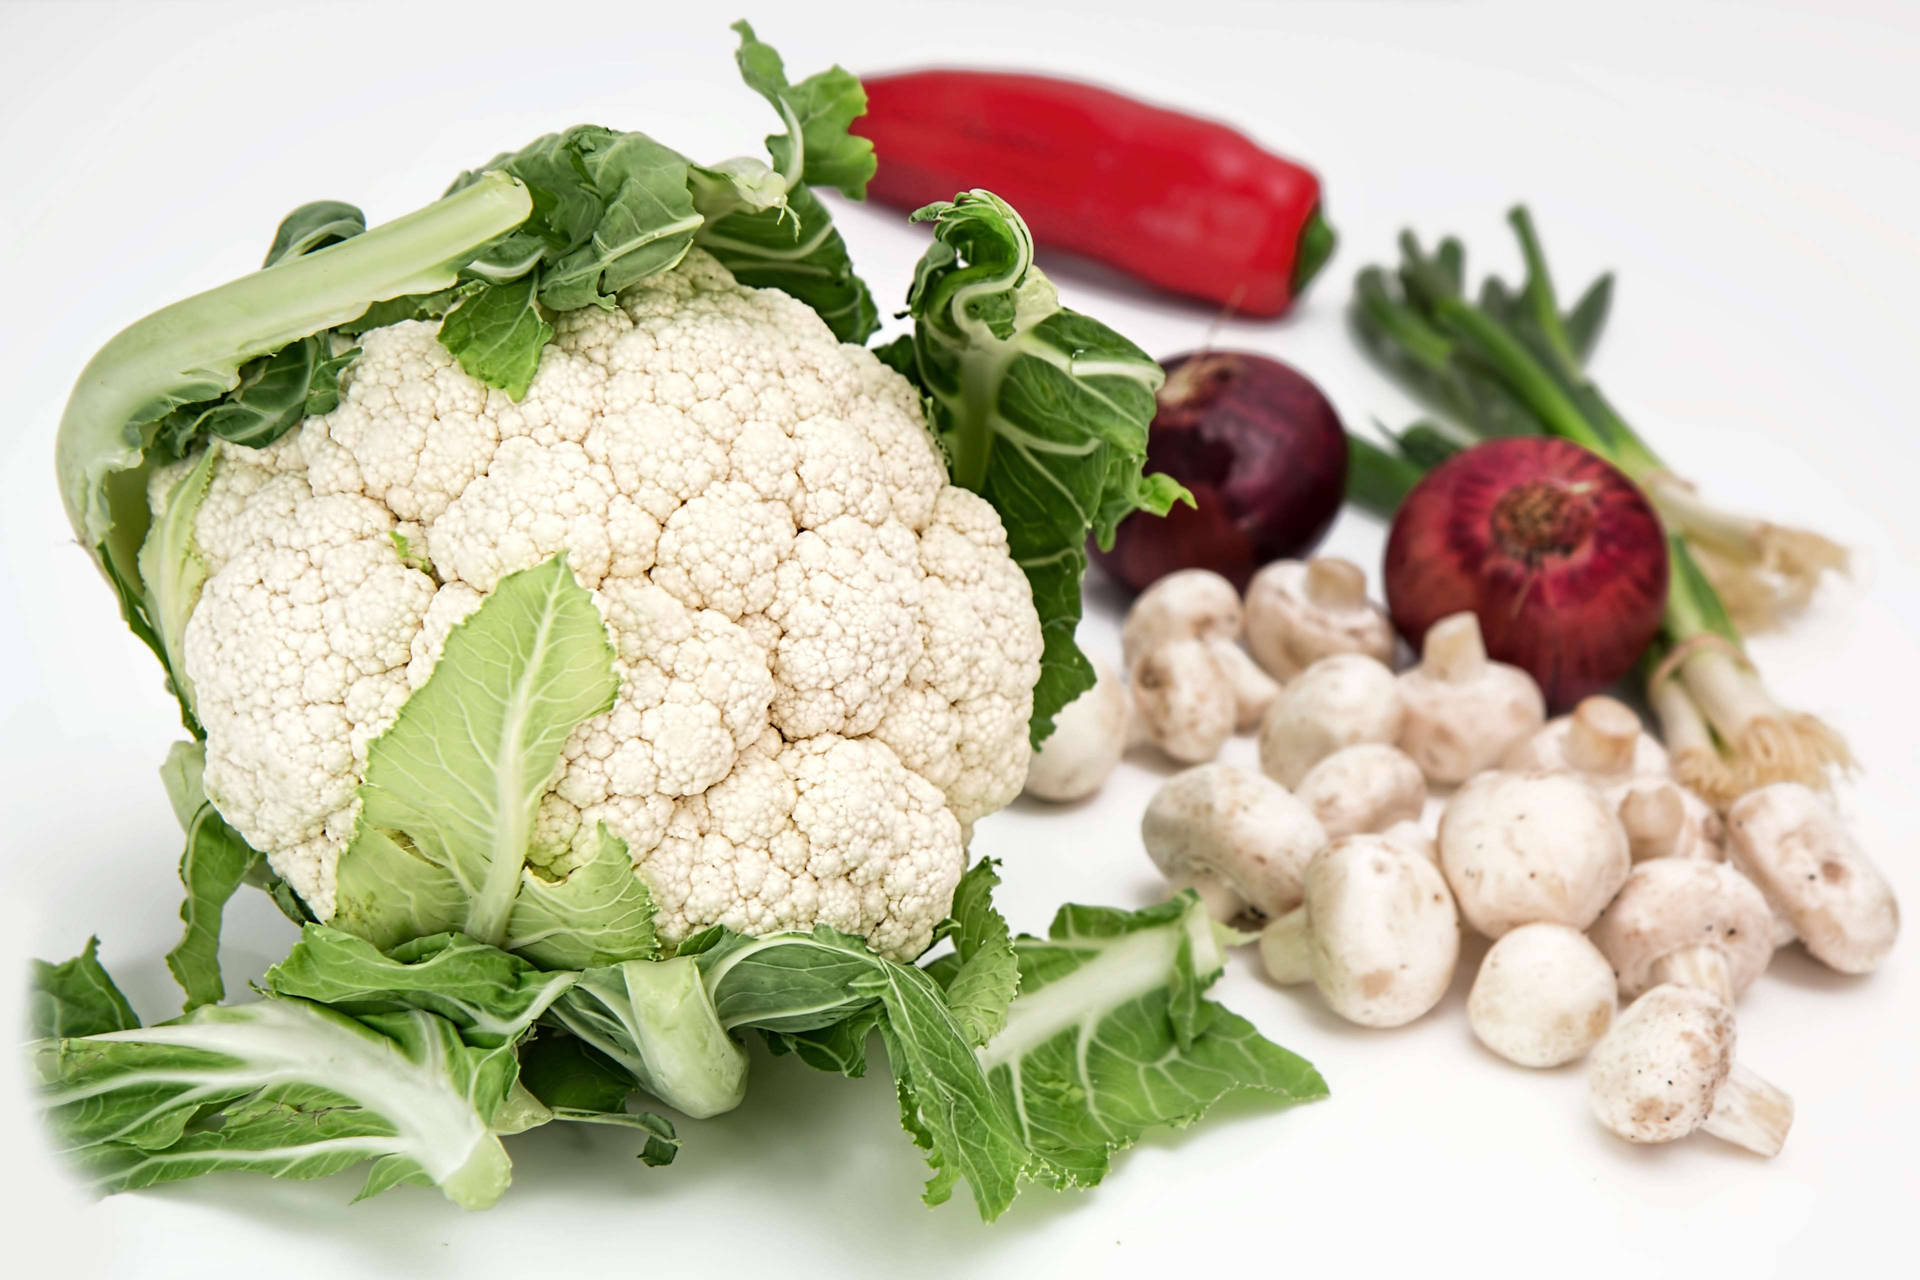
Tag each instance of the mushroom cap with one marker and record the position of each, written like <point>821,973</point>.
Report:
<point>1412,838</point>
<point>1524,847</point>
<point>1184,699</point>
<point>1089,737</point>
<point>1298,612</point>
<point>1544,995</point>
<point>1653,1077</point>
<point>1368,786</point>
<point>1675,904</point>
<point>1233,825</point>
<point>1189,604</point>
<point>1794,846</point>
<point>1334,703</point>
<point>1385,936</point>
<point>1601,739</point>
<point>1464,712</point>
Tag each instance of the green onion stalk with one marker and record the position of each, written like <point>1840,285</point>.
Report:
<point>1514,363</point>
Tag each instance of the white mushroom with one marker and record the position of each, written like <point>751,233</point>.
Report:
<point>1299,613</point>
<point>1411,837</point>
<point>1089,737</point>
<point>1334,703</point>
<point>1234,836</point>
<point>1463,710</point>
<point>1366,787</point>
<point>1184,700</point>
<point>1376,933</point>
<point>1665,820</point>
<point>1193,684</point>
<point>1192,604</point>
<point>1667,1068</point>
<point>1794,846</point>
<point>1681,920</point>
<point>1544,995</point>
<point>1524,847</point>
<point>1601,740</point>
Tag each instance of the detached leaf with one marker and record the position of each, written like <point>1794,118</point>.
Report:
<point>76,998</point>
<point>1111,1035</point>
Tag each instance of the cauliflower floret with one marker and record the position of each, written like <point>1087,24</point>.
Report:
<point>825,655</point>
<point>298,652</point>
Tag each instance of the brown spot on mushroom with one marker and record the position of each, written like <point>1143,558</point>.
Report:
<point>1833,872</point>
<point>1375,984</point>
<point>1597,1021</point>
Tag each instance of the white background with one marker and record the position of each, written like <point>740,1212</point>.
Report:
<point>1749,169</point>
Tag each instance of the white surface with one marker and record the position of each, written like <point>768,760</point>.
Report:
<point>1749,169</point>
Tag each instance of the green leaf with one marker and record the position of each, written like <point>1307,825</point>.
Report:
<point>655,1019</point>
<point>493,997</point>
<point>1111,1035</point>
<point>173,570</point>
<point>600,911</point>
<point>76,998</point>
<point>820,111</point>
<point>1041,410</point>
<point>797,250</point>
<point>216,861</point>
<point>1589,316</point>
<point>576,1084</point>
<point>282,1087</point>
<point>497,335</point>
<point>452,787</point>
<point>821,993</point>
<point>314,226</point>
<point>985,975</point>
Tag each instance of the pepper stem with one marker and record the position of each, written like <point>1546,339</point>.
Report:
<point>1311,251</point>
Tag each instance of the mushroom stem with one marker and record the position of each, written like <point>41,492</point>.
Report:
<point>1703,967</point>
<point>1601,736</point>
<point>1285,949</point>
<point>1216,895</point>
<point>1750,1113</point>
<point>1653,818</point>
<point>1453,650</point>
<point>1253,689</point>
<point>1333,583</point>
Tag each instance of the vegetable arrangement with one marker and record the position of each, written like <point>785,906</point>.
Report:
<point>1513,364</point>
<point>601,655</point>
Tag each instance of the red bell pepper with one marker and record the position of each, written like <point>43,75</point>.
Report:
<point>1187,204</point>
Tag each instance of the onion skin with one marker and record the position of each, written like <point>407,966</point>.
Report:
<point>1264,455</point>
<point>1556,552</point>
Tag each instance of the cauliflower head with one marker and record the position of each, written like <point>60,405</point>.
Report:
<point>826,655</point>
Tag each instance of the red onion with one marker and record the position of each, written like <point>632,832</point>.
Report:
<point>1561,558</point>
<point>1264,455</point>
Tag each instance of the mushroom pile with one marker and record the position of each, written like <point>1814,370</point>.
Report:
<point>1188,684</point>
<point>1598,877</point>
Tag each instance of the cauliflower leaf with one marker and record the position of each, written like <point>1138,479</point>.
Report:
<point>284,1087</point>
<point>76,997</point>
<point>453,786</point>
<point>1111,1035</point>
<point>1041,410</point>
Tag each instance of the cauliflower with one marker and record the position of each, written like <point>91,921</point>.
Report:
<point>826,655</point>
